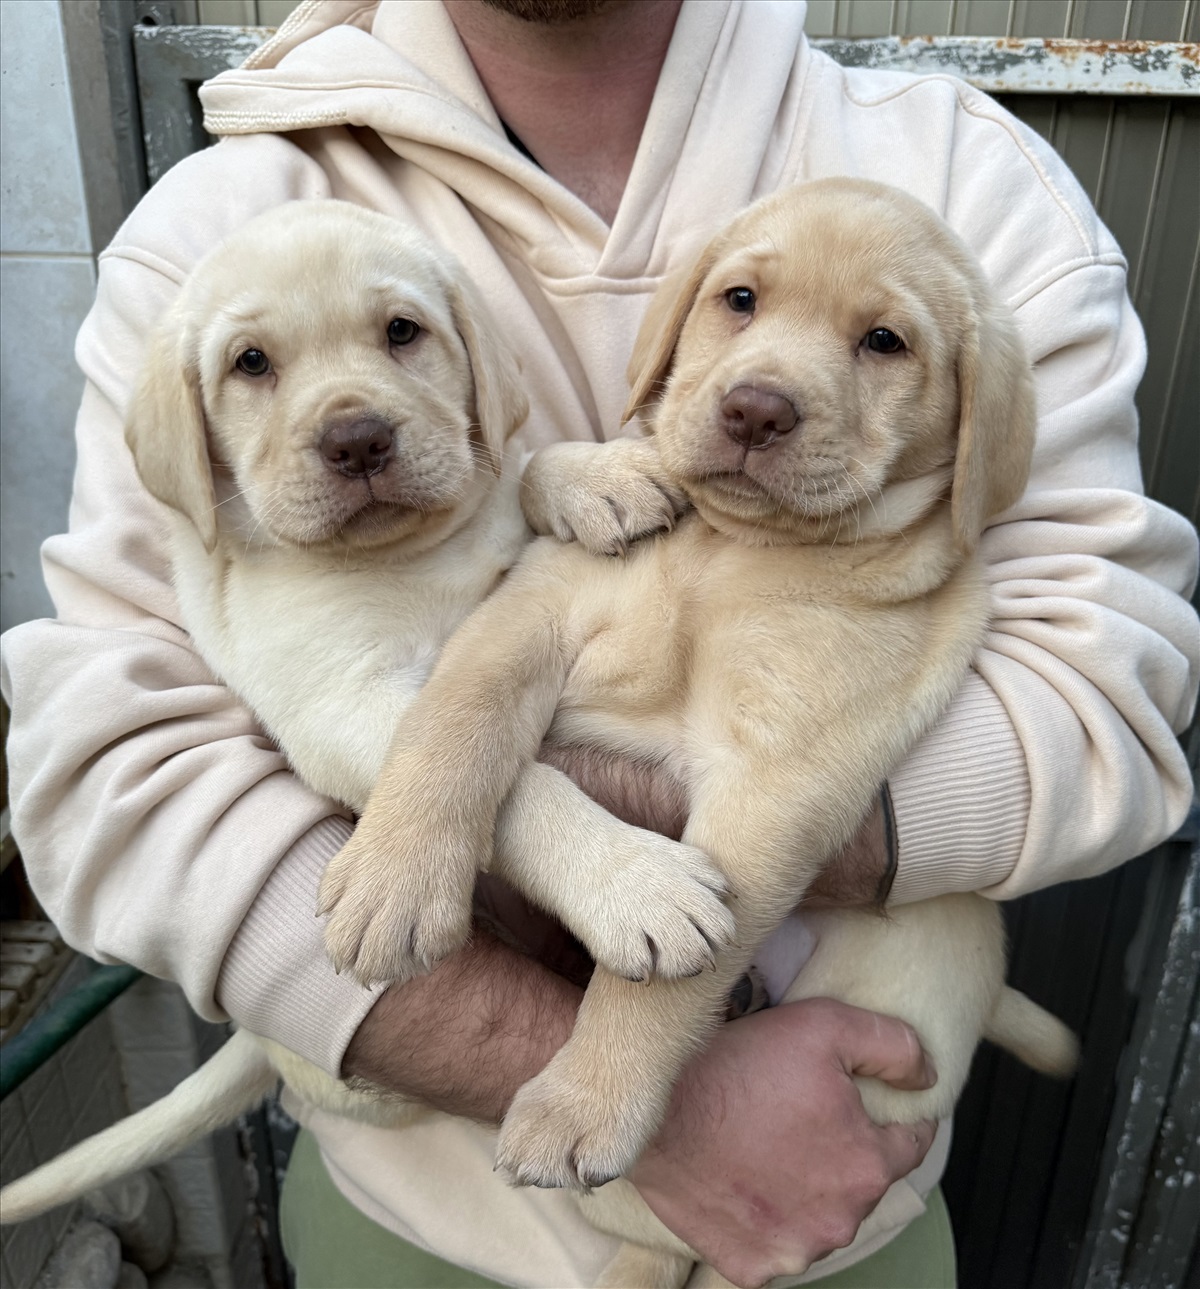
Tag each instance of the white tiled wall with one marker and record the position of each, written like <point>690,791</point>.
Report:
<point>47,278</point>
<point>76,1093</point>
<point>249,13</point>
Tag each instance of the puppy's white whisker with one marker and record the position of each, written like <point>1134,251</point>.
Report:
<point>868,495</point>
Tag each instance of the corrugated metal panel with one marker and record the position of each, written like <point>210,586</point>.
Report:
<point>1140,163</point>
<point>1147,1212</point>
<point>231,13</point>
<point>245,13</point>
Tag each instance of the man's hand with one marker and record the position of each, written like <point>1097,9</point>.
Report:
<point>767,1160</point>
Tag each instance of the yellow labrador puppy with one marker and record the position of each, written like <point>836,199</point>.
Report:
<point>324,413</point>
<point>844,401</point>
<point>349,387</point>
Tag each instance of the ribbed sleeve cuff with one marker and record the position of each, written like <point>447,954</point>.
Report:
<point>961,800</point>
<point>276,978</point>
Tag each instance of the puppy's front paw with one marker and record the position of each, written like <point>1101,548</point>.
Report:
<point>607,522</point>
<point>604,496</point>
<point>561,1131</point>
<point>390,921</point>
<point>657,909</point>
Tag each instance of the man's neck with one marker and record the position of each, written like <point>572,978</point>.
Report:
<point>577,93</point>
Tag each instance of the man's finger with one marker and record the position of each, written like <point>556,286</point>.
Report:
<point>882,1047</point>
<point>904,1145</point>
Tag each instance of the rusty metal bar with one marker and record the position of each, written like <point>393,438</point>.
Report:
<point>1034,66</point>
<point>172,62</point>
<point>999,65</point>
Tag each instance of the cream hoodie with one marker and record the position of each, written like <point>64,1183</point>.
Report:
<point>160,826</point>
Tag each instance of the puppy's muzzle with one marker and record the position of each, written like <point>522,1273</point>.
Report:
<point>754,418</point>
<point>357,449</point>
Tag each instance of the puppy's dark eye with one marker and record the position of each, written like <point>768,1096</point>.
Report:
<point>740,299</point>
<point>883,341</point>
<point>402,331</point>
<point>253,362</point>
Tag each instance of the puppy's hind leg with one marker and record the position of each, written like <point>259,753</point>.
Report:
<point>710,1278</point>
<point>650,1257</point>
<point>637,1267</point>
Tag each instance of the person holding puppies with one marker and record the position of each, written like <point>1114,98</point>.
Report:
<point>571,153</point>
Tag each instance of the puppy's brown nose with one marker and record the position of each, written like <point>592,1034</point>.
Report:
<point>756,417</point>
<point>359,448</point>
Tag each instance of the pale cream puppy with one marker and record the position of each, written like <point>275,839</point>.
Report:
<point>320,584</point>
<point>324,412</point>
<point>844,401</point>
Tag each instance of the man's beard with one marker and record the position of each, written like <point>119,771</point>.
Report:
<point>551,12</point>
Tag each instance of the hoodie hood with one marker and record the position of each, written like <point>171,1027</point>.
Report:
<point>398,69</point>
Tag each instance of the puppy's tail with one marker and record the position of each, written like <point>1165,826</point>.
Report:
<point>235,1079</point>
<point>1032,1035</point>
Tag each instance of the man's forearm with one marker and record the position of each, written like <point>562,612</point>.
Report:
<point>465,1037</point>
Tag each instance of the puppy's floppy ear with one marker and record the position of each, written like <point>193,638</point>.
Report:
<point>654,348</point>
<point>997,421</point>
<point>165,431</point>
<point>500,403</point>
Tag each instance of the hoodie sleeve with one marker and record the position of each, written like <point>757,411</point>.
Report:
<point>149,808</point>
<point>1060,757</point>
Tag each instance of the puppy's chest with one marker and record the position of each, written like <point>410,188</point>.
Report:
<point>316,635</point>
<point>700,643</point>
